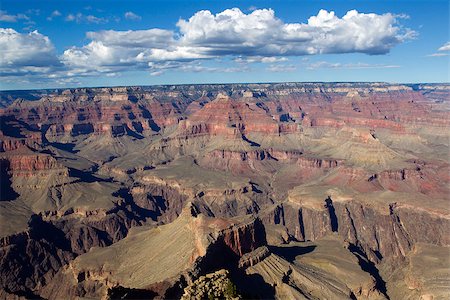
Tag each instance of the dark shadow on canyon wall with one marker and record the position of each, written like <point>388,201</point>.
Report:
<point>7,193</point>
<point>369,267</point>
<point>290,253</point>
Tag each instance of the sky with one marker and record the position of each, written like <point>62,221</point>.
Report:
<point>70,43</point>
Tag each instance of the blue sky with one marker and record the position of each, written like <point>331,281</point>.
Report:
<point>48,44</point>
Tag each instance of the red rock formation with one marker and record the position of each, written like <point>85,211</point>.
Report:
<point>14,135</point>
<point>26,163</point>
<point>228,117</point>
<point>86,111</point>
<point>307,162</point>
<point>245,238</point>
<point>106,110</point>
<point>427,179</point>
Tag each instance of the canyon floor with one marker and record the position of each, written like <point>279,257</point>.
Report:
<point>235,191</point>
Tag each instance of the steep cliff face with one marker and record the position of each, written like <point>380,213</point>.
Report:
<point>29,163</point>
<point>244,238</point>
<point>423,273</point>
<point>381,234</point>
<point>10,144</point>
<point>23,169</point>
<point>227,117</point>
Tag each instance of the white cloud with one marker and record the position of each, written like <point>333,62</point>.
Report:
<point>70,17</point>
<point>441,51</point>
<point>20,50</point>
<point>273,59</point>
<point>4,17</point>
<point>81,18</point>
<point>118,49</point>
<point>94,19</point>
<point>128,48</point>
<point>156,73</point>
<point>129,15</point>
<point>92,56</point>
<point>256,37</point>
<point>260,59</point>
<point>54,14</point>
<point>261,33</point>
<point>151,38</point>
<point>445,47</point>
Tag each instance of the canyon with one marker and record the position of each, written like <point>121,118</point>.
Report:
<point>261,191</point>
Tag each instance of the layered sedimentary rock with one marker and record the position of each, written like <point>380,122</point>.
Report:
<point>320,270</point>
<point>299,190</point>
<point>135,262</point>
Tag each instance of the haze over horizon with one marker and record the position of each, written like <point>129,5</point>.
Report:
<point>72,44</point>
<point>60,88</point>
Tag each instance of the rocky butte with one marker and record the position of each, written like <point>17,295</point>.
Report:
<point>284,190</point>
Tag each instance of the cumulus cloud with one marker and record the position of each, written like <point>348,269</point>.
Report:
<point>244,38</point>
<point>81,18</point>
<point>28,52</point>
<point>261,33</point>
<point>129,15</point>
<point>118,49</point>
<point>5,17</point>
<point>128,48</point>
<point>54,14</point>
<point>28,58</point>
<point>258,36</point>
<point>91,55</point>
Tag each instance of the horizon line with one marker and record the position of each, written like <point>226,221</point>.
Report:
<point>224,83</point>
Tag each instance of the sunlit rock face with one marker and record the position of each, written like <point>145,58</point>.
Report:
<point>312,190</point>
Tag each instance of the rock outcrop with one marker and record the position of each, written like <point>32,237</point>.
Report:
<point>213,285</point>
<point>185,248</point>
